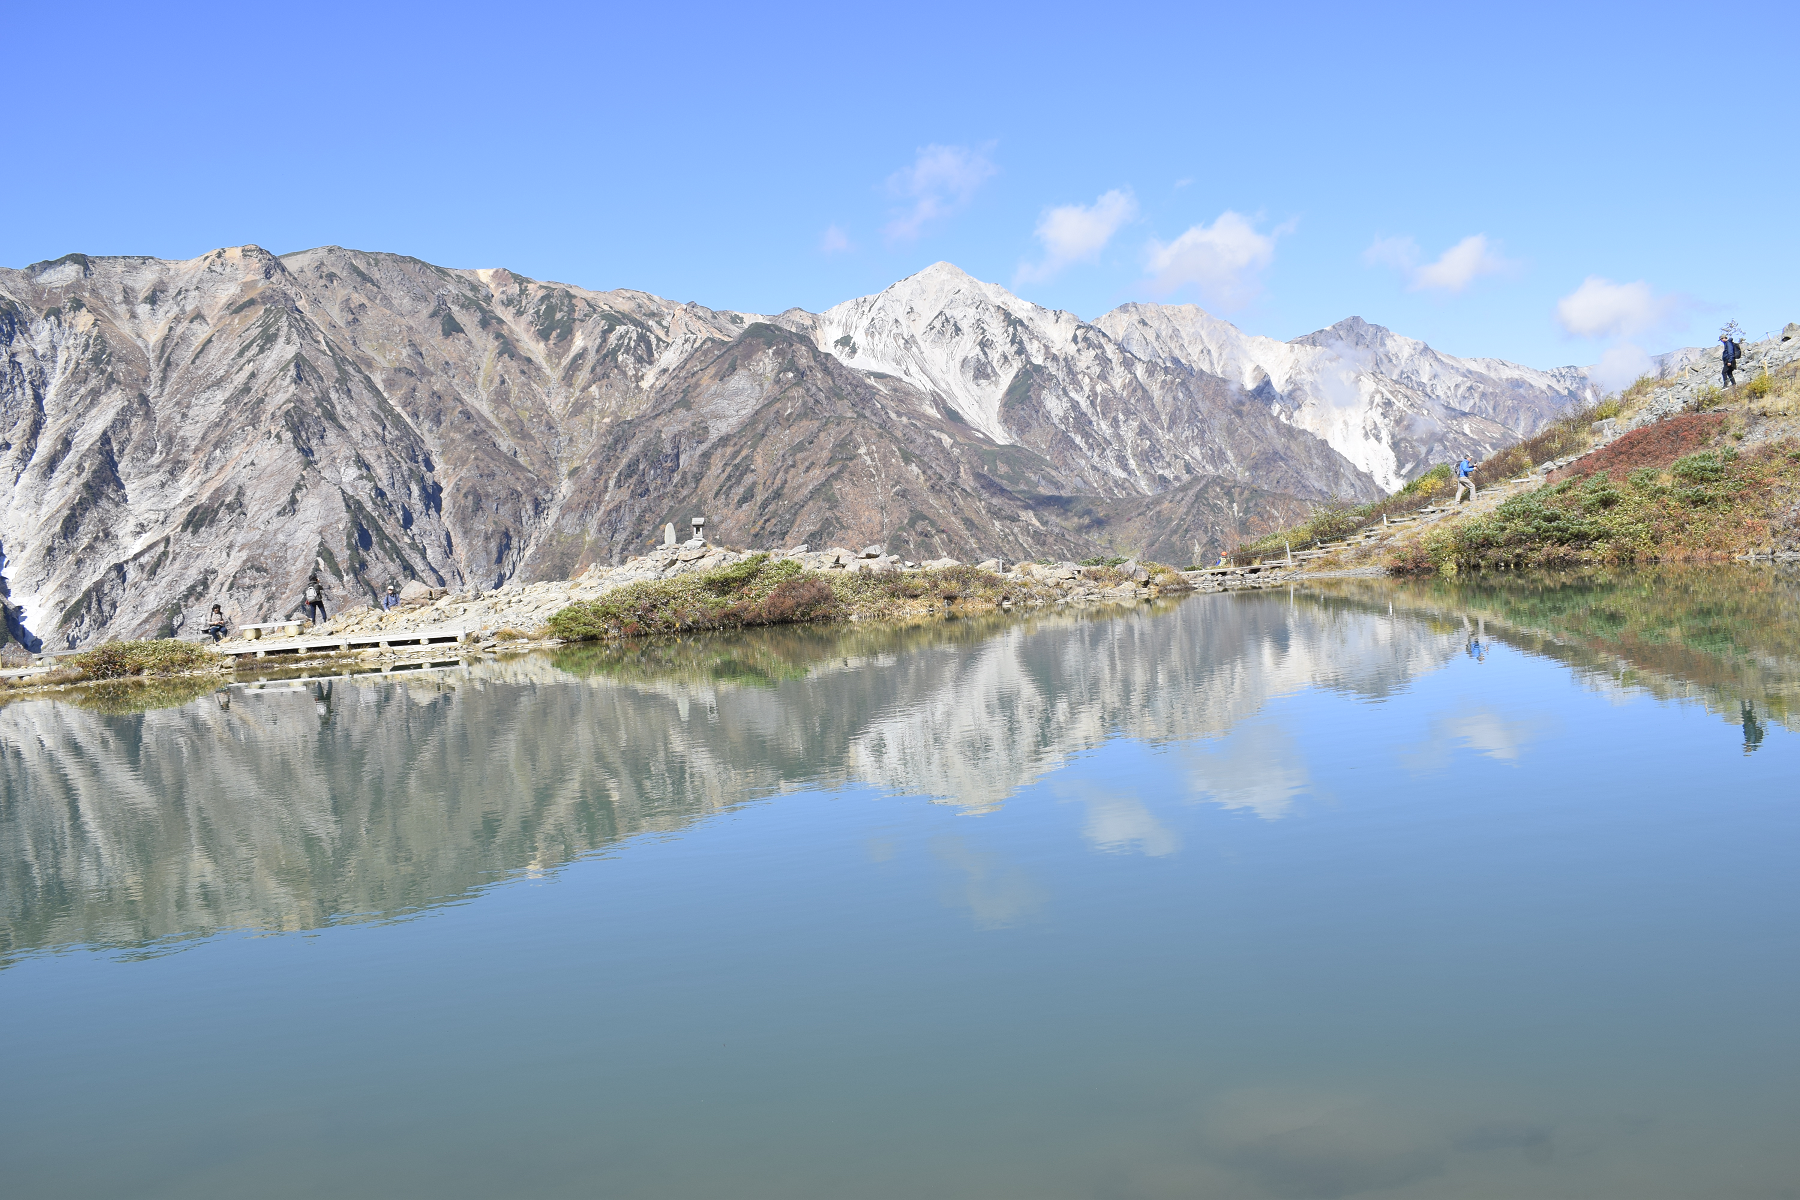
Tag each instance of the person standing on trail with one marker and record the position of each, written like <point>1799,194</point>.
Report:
<point>1465,478</point>
<point>314,600</point>
<point>1730,352</point>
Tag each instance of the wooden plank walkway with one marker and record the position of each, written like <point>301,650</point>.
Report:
<point>331,643</point>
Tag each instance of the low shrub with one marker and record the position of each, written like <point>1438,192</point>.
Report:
<point>1655,445</point>
<point>756,591</point>
<point>157,656</point>
<point>791,600</point>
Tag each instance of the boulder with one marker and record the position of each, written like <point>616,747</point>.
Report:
<point>1133,570</point>
<point>939,564</point>
<point>1790,331</point>
<point>986,564</point>
<point>416,592</point>
<point>871,552</point>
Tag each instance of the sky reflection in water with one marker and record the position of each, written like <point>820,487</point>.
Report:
<point>1387,890</point>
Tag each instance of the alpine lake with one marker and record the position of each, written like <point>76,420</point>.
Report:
<point>1457,888</point>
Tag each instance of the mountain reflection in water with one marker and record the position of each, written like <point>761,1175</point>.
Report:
<point>355,800</point>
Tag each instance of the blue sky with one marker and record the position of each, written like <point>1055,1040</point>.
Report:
<point>1545,184</point>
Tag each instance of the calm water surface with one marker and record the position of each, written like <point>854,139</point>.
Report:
<point>1477,890</point>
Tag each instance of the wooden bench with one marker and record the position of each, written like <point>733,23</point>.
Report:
<point>253,632</point>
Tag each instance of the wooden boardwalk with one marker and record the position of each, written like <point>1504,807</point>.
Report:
<point>333,643</point>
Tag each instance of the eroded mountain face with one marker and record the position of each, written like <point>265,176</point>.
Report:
<point>180,433</point>
<point>1389,404</point>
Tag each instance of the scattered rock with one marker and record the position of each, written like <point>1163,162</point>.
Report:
<point>416,592</point>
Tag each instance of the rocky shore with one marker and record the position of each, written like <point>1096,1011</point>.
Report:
<point>520,612</point>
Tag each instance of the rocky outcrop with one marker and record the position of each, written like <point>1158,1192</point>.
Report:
<point>1702,376</point>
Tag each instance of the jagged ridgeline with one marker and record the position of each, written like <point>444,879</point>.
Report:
<point>179,433</point>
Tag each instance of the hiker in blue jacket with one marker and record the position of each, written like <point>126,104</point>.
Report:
<point>1465,478</point>
<point>1730,352</point>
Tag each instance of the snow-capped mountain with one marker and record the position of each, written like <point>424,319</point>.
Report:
<point>176,433</point>
<point>1390,404</point>
<point>1024,375</point>
<point>1130,393</point>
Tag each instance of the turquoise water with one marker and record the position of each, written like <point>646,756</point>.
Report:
<point>1440,891</point>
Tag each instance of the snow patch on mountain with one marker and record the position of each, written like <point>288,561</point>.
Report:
<point>948,333</point>
<point>1390,404</point>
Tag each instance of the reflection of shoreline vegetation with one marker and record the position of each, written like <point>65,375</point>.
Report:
<point>1723,635</point>
<point>769,656</point>
<point>119,697</point>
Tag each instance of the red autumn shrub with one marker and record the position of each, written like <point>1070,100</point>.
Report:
<point>1655,445</point>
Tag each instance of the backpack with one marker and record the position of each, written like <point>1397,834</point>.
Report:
<point>312,594</point>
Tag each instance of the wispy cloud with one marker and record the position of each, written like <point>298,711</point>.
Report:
<point>1602,308</point>
<point>1223,260</point>
<point>834,241</point>
<point>1075,233</point>
<point>941,180</point>
<point>1453,271</point>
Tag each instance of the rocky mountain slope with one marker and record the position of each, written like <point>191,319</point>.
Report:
<point>1389,404</point>
<point>182,432</point>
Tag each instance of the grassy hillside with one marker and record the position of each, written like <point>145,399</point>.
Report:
<point>1718,478</point>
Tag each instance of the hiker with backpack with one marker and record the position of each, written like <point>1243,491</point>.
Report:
<point>1730,352</point>
<point>1465,478</point>
<point>313,598</point>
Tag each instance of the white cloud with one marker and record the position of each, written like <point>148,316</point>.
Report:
<point>1222,260</point>
<point>1461,265</point>
<point>1118,822</point>
<point>1458,267</point>
<point>1602,308</point>
<point>941,180</point>
<point>1400,253</point>
<point>1621,366</point>
<point>1259,767</point>
<point>1478,727</point>
<point>835,241</point>
<point>1076,233</point>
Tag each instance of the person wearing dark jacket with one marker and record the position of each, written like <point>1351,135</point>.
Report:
<point>314,600</point>
<point>215,623</point>
<point>1731,351</point>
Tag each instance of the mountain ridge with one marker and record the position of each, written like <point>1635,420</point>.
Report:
<point>183,431</point>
